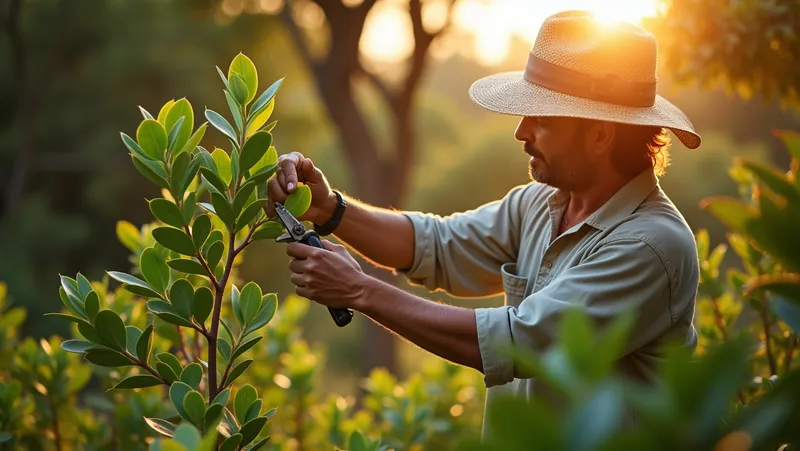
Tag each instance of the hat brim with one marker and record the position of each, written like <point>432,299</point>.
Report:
<point>509,93</point>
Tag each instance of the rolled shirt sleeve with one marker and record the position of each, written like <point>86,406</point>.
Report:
<point>462,253</point>
<point>621,275</point>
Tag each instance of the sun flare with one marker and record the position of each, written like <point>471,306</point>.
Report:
<point>490,23</point>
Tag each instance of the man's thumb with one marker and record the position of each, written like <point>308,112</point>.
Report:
<point>333,247</point>
<point>310,172</point>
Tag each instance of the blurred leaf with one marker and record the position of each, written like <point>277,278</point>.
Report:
<point>254,410</point>
<point>788,311</point>
<point>181,109</point>
<point>134,285</point>
<point>245,396</point>
<point>137,381</point>
<point>243,66</point>
<point>163,427</point>
<point>152,138</point>
<point>264,99</point>
<point>731,212</point>
<point>259,120</point>
<point>223,164</point>
<point>188,436</point>
<point>774,180</point>
<point>251,429</point>
<point>187,266</point>
<point>203,304</point>
<point>212,417</point>
<point>791,140</point>
<point>175,240</point>
<point>298,202</point>
<point>128,235</point>
<point>111,329</point>
<point>221,124</point>
<point>231,443</point>
<point>598,419</point>
<point>784,284</point>
<point>154,269</point>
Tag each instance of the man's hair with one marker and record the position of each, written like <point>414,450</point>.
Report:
<point>638,147</point>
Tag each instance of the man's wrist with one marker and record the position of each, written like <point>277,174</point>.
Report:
<point>326,209</point>
<point>369,287</point>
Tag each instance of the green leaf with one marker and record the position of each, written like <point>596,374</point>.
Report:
<point>786,310</point>
<point>224,349</point>
<point>224,78</point>
<point>133,147</point>
<point>194,140</point>
<point>235,166</point>
<point>237,115</point>
<point>243,66</point>
<point>226,328</point>
<point>222,397</point>
<point>791,140</point>
<point>187,266</point>
<point>163,427</point>
<point>133,334</point>
<point>268,231</point>
<point>162,114</point>
<point>88,331</point>
<point>166,372</point>
<point>223,209</point>
<point>250,302</point>
<point>154,269</point>
<point>212,417</point>
<point>172,136</point>
<point>111,329</point>
<point>84,286</point>
<point>244,397</point>
<point>189,206</point>
<point>203,304</point>
<point>246,192</point>
<point>70,288</point>
<point>215,254</point>
<point>270,126</point>
<point>138,381</point>
<point>357,442</point>
<point>175,240</point>
<point>179,174</point>
<point>254,410</point>
<point>146,114</point>
<point>128,235</point>
<point>238,89</point>
<point>107,358</point>
<point>145,344</point>
<point>188,436</point>
<point>195,407</point>
<point>774,180</point>
<point>166,212</point>
<point>192,375</point>
<point>269,305</point>
<point>264,99</point>
<point>134,285</point>
<point>270,158</point>
<point>221,124</point>
<point>260,444</point>
<point>152,138</point>
<point>181,295</point>
<point>263,174</point>
<point>181,108</point>
<point>92,306</point>
<point>598,419</point>
<point>255,124</point>
<point>237,371</point>
<point>231,443</point>
<point>223,163</point>
<point>250,212</point>
<point>731,212</point>
<point>152,170</point>
<point>214,180</point>
<point>253,150</point>
<point>200,230</point>
<point>171,360</point>
<point>236,304</point>
<point>241,349</point>
<point>251,429</point>
<point>298,202</point>
<point>177,393</point>
<point>77,346</point>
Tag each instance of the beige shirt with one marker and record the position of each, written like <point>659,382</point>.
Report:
<point>634,253</point>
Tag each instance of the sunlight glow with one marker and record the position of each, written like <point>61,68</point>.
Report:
<point>490,23</point>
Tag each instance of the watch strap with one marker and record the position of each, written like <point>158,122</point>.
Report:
<point>333,223</point>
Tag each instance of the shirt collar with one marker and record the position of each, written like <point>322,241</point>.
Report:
<point>624,202</point>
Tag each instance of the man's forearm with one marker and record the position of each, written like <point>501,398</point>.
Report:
<point>382,236</point>
<point>447,331</point>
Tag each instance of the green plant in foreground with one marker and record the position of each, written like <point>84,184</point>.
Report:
<point>212,209</point>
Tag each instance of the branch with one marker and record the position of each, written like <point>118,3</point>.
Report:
<point>247,241</point>
<point>297,37</point>
<point>212,337</point>
<point>379,84</point>
<point>202,260</point>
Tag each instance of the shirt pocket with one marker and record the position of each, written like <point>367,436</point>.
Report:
<point>513,284</point>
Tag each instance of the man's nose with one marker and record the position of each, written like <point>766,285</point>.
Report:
<point>524,130</point>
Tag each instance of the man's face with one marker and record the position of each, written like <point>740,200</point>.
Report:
<point>558,150</point>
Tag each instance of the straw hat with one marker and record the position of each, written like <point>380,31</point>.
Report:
<point>579,67</point>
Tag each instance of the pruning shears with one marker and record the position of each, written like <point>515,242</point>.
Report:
<point>297,233</point>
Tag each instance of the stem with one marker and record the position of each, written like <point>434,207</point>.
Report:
<point>720,323</point>
<point>55,422</point>
<point>773,367</point>
<point>147,367</point>
<point>202,260</point>
<point>212,337</point>
<point>247,241</point>
<point>225,375</point>
<point>299,421</point>
<point>197,342</point>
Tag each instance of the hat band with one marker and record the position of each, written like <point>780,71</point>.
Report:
<point>609,88</point>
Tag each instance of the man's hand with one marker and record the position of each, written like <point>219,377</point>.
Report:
<point>329,276</point>
<point>294,168</point>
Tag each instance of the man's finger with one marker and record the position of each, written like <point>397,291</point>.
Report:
<point>310,173</point>
<point>297,266</point>
<point>288,166</point>
<point>300,250</point>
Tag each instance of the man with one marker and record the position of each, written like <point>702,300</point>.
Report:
<point>593,230</point>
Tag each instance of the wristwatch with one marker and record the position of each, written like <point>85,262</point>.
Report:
<point>330,226</point>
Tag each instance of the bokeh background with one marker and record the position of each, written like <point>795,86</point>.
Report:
<point>375,94</point>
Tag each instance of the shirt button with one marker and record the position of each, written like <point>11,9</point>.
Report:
<point>548,263</point>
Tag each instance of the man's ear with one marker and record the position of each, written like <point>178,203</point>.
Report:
<point>601,137</point>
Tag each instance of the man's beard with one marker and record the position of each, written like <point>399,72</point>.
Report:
<point>577,177</point>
